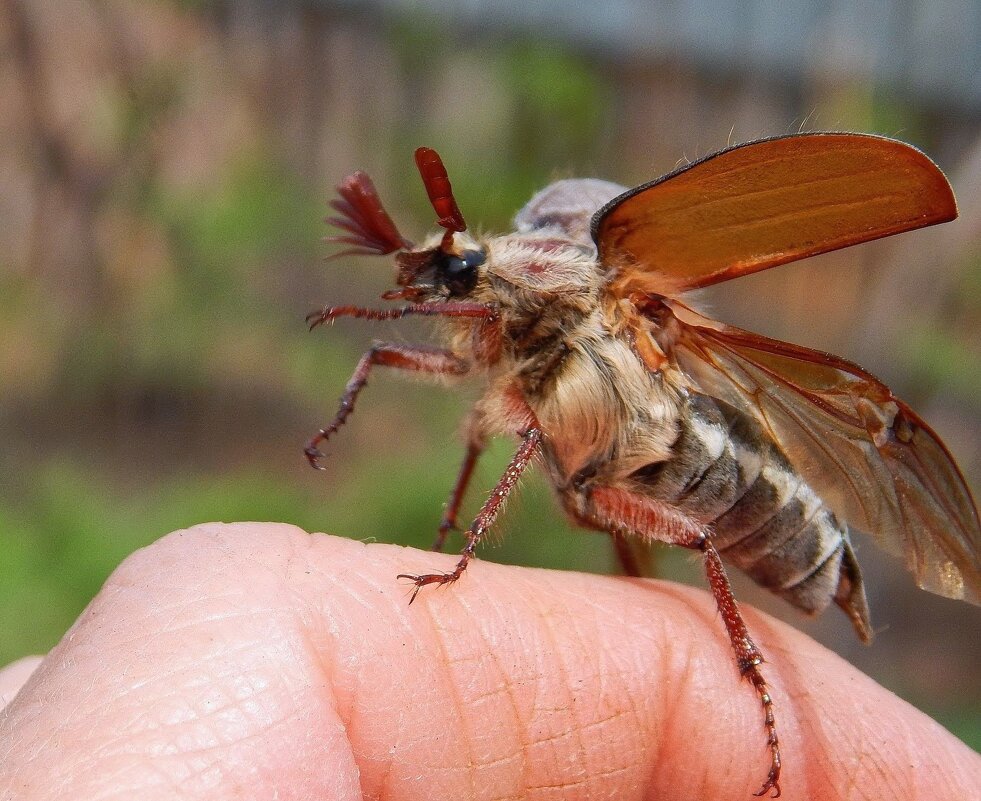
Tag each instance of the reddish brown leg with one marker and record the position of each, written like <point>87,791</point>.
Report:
<point>748,658</point>
<point>404,357</point>
<point>463,309</point>
<point>625,555</point>
<point>623,512</point>
<point>530,441</point>
<point>448,523</point>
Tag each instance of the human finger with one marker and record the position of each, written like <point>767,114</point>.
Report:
<point>257,659</point>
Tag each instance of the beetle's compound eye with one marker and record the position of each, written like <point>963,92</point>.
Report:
<point>459,273</point>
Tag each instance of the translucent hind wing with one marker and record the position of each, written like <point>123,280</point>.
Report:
<point>874,461</point>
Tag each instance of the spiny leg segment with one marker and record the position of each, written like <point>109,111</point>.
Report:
<point>748,658</point>
<point>448,523</point>
<point>624,512</point>
<point>626,556</point>
<point>530,442</point>
<point>463,309</point>
<point>404,357</point>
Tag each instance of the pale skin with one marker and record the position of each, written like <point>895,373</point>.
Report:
<point>257,661</point>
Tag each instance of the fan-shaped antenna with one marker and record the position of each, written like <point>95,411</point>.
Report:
<point>370,229</point>
<point>440,194</point>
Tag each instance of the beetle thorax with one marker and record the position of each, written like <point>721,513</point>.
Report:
<point>544,288</point>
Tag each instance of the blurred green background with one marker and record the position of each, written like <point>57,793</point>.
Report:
<point>164,171</point>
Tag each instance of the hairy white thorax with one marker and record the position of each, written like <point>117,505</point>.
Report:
<point>604,412</point>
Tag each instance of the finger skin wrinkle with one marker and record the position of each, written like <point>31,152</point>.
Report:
<point>480,693</point>
<point>568,699</point>
<point>516,723</point>
<point>667,722</point>
<point>655,644</point>
<point>456,708</point>
<point>256,661</point>
<point>883,757</point>
<point>579,784</point>
<point>395,748</point>
<point>680,689</point>
<point>199,767</point>
<point>731,727</point>
<point>229,708</point>
<point>592,745</point>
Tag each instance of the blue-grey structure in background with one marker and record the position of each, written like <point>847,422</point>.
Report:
<point>930,49</point>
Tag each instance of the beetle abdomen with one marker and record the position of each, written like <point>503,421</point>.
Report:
<point>727,473</point>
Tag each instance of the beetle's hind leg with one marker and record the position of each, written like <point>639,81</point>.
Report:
<point>748,658</point>
<point>622,512</point>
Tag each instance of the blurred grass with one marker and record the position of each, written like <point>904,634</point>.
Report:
<point>64,537</point>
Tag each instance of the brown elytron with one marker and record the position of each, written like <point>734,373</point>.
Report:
<point>656,422</point>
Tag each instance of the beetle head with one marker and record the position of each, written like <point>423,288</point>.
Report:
<point>369,229</point>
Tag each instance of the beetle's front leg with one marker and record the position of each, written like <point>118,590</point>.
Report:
<point>530,443</point>
<point>415,358</point>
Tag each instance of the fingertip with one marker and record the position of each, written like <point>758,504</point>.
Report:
<point>190,674</point>
<point>518,679</point>
<point>667,706</point>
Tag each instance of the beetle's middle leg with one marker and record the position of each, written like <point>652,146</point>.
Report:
<point>626,555</point>
<point>530,443</point>
<point>475,447</point>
